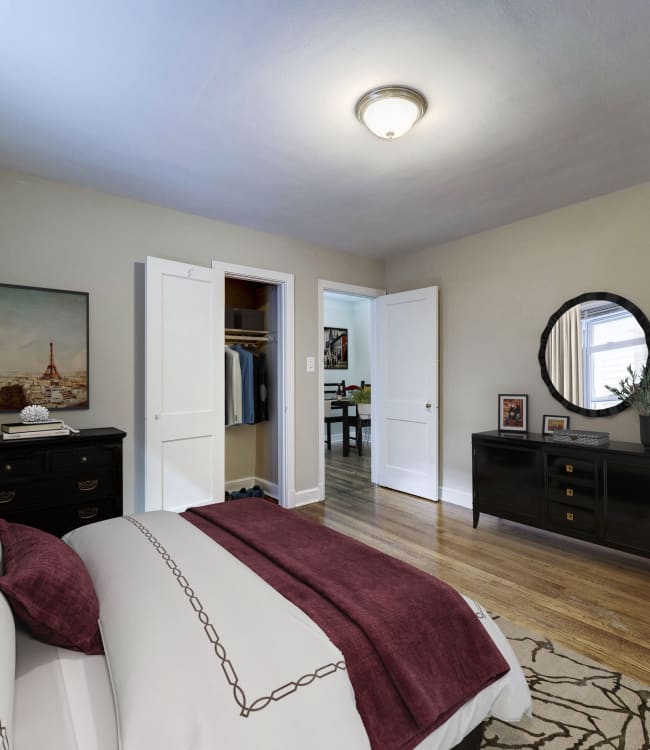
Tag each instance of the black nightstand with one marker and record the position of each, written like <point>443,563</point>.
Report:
<point>59,483</point>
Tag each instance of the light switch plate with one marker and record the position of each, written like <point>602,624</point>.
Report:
<point>311,364</point>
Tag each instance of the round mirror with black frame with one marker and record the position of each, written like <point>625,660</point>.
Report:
<point>587,345</point>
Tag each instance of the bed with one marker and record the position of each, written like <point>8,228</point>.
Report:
<point>216,631</point>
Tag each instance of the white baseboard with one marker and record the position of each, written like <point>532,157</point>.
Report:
<point>305,497</point>
<point>457,497</point>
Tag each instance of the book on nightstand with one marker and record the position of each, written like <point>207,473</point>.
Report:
<point>50,424</point>
<point>35,434</point>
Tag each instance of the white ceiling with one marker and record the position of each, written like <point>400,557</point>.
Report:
<point>243,110</point>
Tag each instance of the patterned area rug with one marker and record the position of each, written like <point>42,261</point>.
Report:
<point>577,703</point>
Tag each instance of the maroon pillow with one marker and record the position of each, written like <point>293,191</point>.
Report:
<point>49,588</point>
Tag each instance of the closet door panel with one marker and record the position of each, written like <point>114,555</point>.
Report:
<point>188,471</point>
<point>184,374</point>
<point>187,358</point>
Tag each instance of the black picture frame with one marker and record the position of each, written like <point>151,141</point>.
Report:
<point>553,422</point>
<point>44,348</point>
<point>513,412</point>
<point>336,348</point>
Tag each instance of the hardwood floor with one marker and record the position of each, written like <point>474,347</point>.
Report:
<point>594,600</point>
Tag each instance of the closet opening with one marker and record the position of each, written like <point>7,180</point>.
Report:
<point>251,370</point>
<point>258,445</point>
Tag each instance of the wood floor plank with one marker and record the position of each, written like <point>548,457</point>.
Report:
<point>593,599</point>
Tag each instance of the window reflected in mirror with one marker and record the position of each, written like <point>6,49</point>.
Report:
<point>588,344</point>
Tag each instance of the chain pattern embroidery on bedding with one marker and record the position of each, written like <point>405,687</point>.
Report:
<point>3,736</point>
<point>226,665</point>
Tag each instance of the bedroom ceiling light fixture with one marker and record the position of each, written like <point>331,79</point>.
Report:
<point>391,111</point>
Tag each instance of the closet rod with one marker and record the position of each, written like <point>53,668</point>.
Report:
<point>233,337</point>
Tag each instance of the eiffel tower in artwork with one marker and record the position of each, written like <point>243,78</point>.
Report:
<point>51,373</point>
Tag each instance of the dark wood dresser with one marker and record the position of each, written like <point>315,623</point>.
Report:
<point>59,483</point>
<point>597,493</point>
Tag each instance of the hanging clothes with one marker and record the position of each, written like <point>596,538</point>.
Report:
<point>248,384</point>
<point>259,376</point>
<point>233,388</point>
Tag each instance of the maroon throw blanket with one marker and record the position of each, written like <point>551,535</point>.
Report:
<point>414,650</point>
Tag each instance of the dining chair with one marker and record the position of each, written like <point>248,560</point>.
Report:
<point>330,393</point>
<point>360,423</point>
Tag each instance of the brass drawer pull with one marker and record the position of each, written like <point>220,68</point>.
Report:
<point>88,485</point>
<point>7,496</point>
<point>569,492</point>
<point>569,468</point>
<point>8,467</point>
<point>85,514</point>
<point>569,516</point>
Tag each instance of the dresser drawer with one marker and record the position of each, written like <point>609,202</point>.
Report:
<point>565,466</point>
<point>19,493</point>
<point>59,520</point>
<point>570,517</point>
<point>15,465</point>
<point>571,492</point>
<point>86,484</point>
<point>81,458</point>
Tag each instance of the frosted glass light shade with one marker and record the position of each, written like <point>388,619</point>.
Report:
<point>391,111</point>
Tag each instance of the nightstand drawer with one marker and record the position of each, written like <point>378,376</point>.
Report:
<point>572,517</point>
<point>19,493</point>
<point>19,465</point>
<point>89,484</point>
<point>59,520</point>
<point>82,458</point>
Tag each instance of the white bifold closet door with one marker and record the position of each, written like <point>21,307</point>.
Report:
<point>184,415</point>
<point>405,396</point>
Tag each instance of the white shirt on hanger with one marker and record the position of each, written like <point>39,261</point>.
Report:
<point>233,388</point>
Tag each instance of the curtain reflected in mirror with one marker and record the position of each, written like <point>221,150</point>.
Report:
<point>588,345</point>
<point>564,356</point>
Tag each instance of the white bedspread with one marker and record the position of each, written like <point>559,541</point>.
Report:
<point>202,653</point>
<point>173,687</point>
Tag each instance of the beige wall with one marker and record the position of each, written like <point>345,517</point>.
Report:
<point>59,236</point>
<point>497,291</point>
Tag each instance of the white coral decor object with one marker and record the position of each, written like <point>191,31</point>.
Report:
<point>34,413</point>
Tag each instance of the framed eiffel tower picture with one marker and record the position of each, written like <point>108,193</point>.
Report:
<point>43,348</point>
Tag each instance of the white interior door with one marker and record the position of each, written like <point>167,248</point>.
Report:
<point>184,414</point>
<point>405,396</point>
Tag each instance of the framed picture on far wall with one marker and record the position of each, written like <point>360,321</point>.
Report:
<point>552,423</point>
<point>44,345</point>
<point>513,412</point>
<point>335,355</point>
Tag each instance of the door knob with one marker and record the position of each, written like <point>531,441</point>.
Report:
<point>428,404</point>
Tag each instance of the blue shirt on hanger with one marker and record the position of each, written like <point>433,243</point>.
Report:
<point>248,384</point>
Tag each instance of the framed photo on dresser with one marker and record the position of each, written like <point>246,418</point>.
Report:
<point>513,412</point>
<point>43,348</point>
<point>551,423</point>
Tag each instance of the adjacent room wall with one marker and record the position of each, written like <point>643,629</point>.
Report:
<point>497,292</point>
<point>65,237</point>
